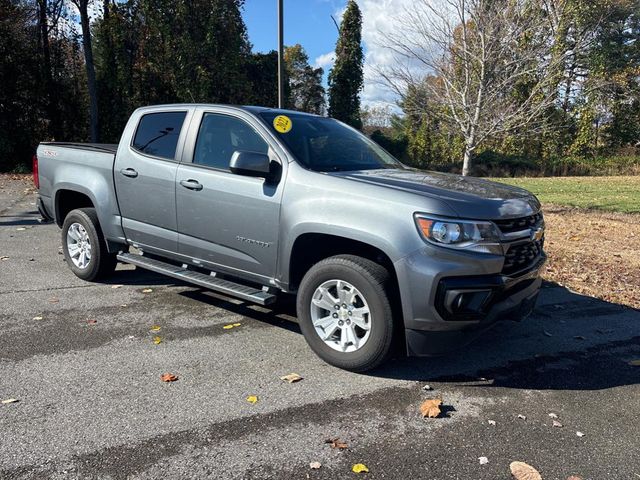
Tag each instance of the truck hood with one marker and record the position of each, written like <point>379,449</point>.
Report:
<point>470,197</point>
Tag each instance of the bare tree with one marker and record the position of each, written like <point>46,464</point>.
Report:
<point>490,67</point>
<point>83,9</point>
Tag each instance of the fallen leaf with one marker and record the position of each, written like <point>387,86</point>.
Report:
<point>431,408</point>
<point>315,465</point>
<point>580,337</point>
<point>4,257</point>
<point>556,423</point>
<point>427,388</point>
<point>252,399</point>
<point>157,340</point>
<point>10,400</point>
<point>53,300</point>
<point>228,327</point>
<point>124,305</point>
<point>20,229</point>
<point>237,324</point>
<point>168,377</point>
<point>574,239</point>
<point>580,434</point>
<point>522,417</point>
<point>634,363</point>
<point>147,290</point>
<point>483,460</point>
<point>37,318</point>
<point>523,471</point>
<point>360,468</point>
<point>553,415</point>
<point>575,477</point>
<point>492,422</point>
<point>116,286</point>
<point>155,328</point>
<point>547,333</point>
<point>337,443</point>
<point>92,322</point>
<point>291,378</point>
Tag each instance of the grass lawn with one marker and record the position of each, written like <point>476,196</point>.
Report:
<point>614,194</point>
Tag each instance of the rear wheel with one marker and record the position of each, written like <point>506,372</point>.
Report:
<point>345,313</point>
<point>84,247</point>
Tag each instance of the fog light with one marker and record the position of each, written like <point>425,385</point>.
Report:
<point>465,301</point>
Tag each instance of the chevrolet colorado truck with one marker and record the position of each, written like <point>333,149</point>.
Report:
<point>252,202</point>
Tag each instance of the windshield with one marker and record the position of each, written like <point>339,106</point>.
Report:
<point>326,145</point>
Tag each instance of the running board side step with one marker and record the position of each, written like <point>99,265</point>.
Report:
<point>233,289</point>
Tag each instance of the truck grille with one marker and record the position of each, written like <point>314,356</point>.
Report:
<point>517,224</point>
<point>522,256</point>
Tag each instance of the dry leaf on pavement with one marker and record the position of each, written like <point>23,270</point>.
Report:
<point>20,229</point>
<point>522,417</point>
<point>556,423</point>
<point>37,318</point>
<point>574,477</point>
<point>360,468</point>
<point>92,322</point>
<point>4,257</point>
<point>53,300</point>
<point>168,377</point>
<point>580,434</point>
<point>553,415</point>
<point>523,471</point>
<point>315,465</point>
<point>10,400</point>
<point>155,328</point>
<point>116,286</point>
<point>252,399</point>
<point>431,408</point>
<point>291,378</point>
<point>157,340</point>
<point>483,460</point>
<point>147,290</point>
<point>491,422</point>
<point>231,325</point>
<point>336,443</point>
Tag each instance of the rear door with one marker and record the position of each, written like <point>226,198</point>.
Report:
<point>145,174</point>
<point>227,221</point>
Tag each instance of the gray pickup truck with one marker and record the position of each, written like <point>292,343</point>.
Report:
<point>252,202</point>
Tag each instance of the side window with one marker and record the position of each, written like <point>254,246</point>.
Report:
<point>220,136</point>
<point>158,133</point>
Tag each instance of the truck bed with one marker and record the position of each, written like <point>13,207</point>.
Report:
<point>94,147</point>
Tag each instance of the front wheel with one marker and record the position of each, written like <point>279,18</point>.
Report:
<point>345,313</point>
<point>84,247</point>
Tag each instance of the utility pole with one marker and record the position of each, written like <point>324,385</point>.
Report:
<point>280,54</point>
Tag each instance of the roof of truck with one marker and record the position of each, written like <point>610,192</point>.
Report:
<point>249,108</point>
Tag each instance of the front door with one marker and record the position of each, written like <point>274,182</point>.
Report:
<point>227,221</point>
<point>145,175</point>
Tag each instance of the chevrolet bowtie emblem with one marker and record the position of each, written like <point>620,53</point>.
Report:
<point>537,234</point>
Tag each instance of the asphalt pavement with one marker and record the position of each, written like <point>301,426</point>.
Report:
<point>81,360</point>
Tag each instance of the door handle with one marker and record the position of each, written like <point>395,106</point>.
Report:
<point>129,172</point>
<point>191,184</point>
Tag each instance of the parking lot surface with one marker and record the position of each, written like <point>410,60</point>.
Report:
<point>81,359</point>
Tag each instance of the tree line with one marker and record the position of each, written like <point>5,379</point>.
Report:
<point>514,86</point>
<point>74,70</point>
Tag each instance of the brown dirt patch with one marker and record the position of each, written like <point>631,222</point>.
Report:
<point>594,253</point>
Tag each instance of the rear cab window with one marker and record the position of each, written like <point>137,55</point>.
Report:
<point>157,134</point>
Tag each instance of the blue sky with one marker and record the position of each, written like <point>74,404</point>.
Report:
<point>309,23</point>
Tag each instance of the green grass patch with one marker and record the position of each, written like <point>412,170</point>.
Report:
<point>614,194</point>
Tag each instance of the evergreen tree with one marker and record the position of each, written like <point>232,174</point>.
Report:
<point>346,76</point>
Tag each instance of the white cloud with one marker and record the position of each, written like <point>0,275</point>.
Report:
<point>325,60</point>
<point>379,17</point>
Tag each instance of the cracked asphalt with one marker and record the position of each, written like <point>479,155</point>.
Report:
<point>91,403</point>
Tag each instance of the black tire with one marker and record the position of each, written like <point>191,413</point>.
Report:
<point>372,280</point>
<point>102,263</point>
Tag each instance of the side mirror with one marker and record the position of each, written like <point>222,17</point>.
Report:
<point>250,164</point>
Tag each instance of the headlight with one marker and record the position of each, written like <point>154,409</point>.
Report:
<point>472,235</point>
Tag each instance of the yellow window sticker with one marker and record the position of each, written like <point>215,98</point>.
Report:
<point>282,123</point>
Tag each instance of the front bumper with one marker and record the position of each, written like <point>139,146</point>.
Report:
<point>449,298</point>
